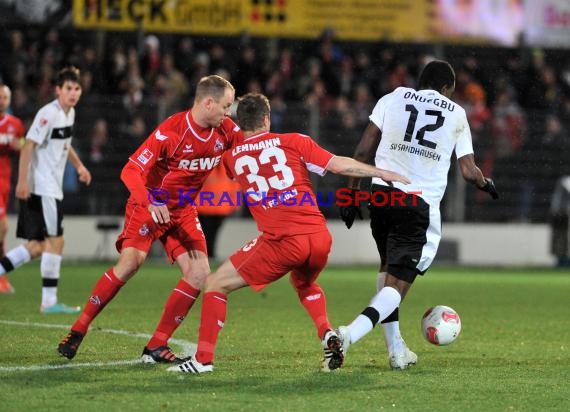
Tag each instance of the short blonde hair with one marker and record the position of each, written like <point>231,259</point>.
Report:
<point>213,86</point>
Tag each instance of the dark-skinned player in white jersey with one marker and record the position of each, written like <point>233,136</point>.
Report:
<point>412,132</point>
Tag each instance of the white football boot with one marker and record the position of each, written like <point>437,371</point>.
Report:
<point>344,335</point>
<point>402,358</point>
<point>191,366</point>
<point>334,356</point>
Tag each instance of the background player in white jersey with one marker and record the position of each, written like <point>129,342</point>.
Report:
<point>39,188</point>
<point>413,133</point>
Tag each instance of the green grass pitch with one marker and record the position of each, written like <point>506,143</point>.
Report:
<point>513,353</point>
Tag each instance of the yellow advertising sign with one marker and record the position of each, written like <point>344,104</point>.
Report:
<point>350,19</point>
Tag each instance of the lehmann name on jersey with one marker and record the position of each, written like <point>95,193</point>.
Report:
<point>263,144</point>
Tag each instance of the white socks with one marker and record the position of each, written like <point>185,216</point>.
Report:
<point>394,341</point>
<point>49,267</point>
<point>17,256</point>
<point>380,307</point>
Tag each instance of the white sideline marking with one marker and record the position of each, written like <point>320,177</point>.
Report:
<point>188,348</point>
<point>66,366</point>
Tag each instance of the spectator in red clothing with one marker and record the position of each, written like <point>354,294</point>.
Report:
<point>151,58</point>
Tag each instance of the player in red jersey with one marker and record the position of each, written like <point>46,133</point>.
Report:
<point>164,175</point>
<point>273,170</point>
<point>11,133</point>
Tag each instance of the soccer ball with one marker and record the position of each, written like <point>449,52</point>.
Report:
<point>441,325</point>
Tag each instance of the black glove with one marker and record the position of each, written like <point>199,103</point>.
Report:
<point>490,188</point>
<point>349,213</point>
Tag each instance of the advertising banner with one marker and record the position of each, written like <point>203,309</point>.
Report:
<point>350,19</point>
<point>502,22</point>
<point>547,23</point>
<point>479,21</point>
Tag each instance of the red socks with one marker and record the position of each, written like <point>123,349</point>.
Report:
<point>177,307</point>
<point>214,309</point>
<point>104,291</point>
<point>314,301</point>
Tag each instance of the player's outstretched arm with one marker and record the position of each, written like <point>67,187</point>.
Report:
<point>365,149</point>
<point>363,153</point>
<point>472,174</point>
<point>350,167</point>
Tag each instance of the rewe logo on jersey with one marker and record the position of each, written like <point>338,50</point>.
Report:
<point>204,163</point>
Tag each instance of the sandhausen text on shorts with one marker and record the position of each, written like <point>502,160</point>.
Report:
<point>267,200</point>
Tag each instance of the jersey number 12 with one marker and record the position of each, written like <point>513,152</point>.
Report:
<point>427,128</point>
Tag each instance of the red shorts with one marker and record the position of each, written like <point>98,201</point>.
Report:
<point>264,260</point>
<point>182,234</point>
<point>4,196</point>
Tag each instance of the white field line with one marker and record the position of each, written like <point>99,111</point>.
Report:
<point>188,348</point>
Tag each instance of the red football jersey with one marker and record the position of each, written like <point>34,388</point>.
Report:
<point>11,128</point>
<point>179,154</point>
<point>273,171</point>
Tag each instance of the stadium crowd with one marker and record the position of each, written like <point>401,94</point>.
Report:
<point>517,101</point>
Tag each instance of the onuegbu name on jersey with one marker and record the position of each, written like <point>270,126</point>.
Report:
<point>435,101</point>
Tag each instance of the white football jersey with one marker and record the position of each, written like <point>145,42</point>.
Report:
<point>52,132</point>
<point>420,130</point>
